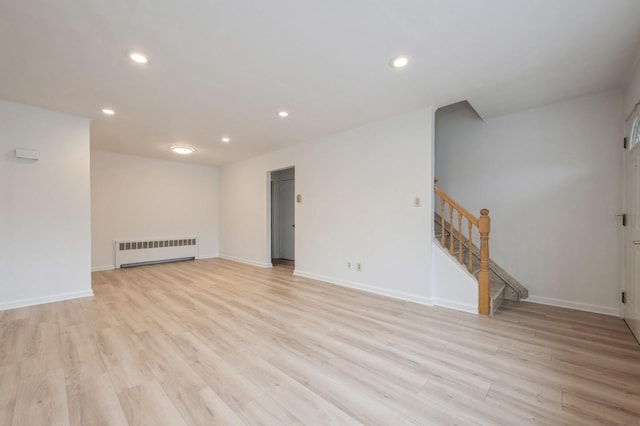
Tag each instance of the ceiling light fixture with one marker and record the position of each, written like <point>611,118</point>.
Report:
<point>225,139</point>
<point>283,114</point>
<point>181,149</point>
<point>399,62</point>
<point>108,111</point>
<point>138,57</point>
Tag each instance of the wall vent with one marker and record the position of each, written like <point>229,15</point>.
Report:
<point>158,250</point>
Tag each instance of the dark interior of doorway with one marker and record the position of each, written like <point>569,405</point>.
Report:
<point>283,218</point>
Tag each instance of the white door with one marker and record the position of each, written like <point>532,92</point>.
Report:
<point>632,230</point>
<point>287,219</point>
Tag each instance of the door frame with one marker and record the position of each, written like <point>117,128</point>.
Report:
<point>627,253</point>
<point>270,205</point>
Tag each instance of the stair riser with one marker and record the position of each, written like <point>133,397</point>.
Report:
<point>496,302</point>
<point>511,294</point>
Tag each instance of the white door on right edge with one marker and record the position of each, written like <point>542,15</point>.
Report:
<point>632,230</point>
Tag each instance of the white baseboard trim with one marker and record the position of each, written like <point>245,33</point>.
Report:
<point>110,267</point>
<point>102,268</point>
<point>364,287</point>
<point>457,306</point>
<point>46,299</point>
<point>247,261</point>
<point>598,309</point>
<point>208,256</point>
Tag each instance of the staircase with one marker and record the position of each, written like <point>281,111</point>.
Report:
<point>501,284</point>
<point>495,284</point>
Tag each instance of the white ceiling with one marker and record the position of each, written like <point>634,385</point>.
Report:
<point>226,67</point>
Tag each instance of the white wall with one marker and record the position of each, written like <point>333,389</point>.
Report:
<point>135,197</point>
<point>357,192</point>
<point>45,233</point>
<point>632,91</point>
<point>552,179</point>
<point>452,286</point>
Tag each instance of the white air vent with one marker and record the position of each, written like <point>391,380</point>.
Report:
<point>145,252</point>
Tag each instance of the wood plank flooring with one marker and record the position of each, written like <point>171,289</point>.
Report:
<point>217,342</point>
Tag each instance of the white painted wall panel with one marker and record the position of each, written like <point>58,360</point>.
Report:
<point>632,91</point>
<point>142,198</point>
<point>357,192</point>
<point>552,179</point>
<point>45,230</point>
<point>453,287</point>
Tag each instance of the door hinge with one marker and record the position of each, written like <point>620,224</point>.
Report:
<point>624,218</point>
<point>624,297</point>
<point>625,143</point>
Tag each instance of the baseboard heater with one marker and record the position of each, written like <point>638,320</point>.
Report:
<point>147,252</point>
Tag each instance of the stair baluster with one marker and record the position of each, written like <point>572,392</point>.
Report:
<point>460,254</point>
<point>470,252</point>
<point>451,230</point>
<point>442,227</point>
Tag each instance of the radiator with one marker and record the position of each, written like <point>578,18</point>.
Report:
<point>145,252</point>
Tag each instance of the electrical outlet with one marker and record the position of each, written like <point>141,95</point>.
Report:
<point>348,265</point>
<point>359,267</point>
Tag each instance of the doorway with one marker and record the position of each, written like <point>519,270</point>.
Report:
<point>631,295</point>
<point>283,217</point>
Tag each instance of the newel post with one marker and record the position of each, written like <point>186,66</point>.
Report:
<point>483,276</point>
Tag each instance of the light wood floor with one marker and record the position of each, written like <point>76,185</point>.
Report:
<point>216,342</point>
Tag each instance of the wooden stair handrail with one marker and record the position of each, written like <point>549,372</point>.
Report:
<point>443,195</point>
<point>483,223</point>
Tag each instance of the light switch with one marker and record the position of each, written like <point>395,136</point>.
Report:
<point>416,201</point>
<point>299,198</point>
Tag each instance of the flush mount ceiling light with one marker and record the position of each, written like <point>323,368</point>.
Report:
<point>225,139</point>
<point>398,62</point>
<point>138,58</point>
<point>283,114</point>
<point>108,111</point>
<point>181,149</point>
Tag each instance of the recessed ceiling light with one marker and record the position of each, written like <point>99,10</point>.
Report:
<point>225,139</point>
<point>108,111</point>
<point>181,149</point>
<point>138,57</point>
<point>399,62</point>
<point>283,114</point>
